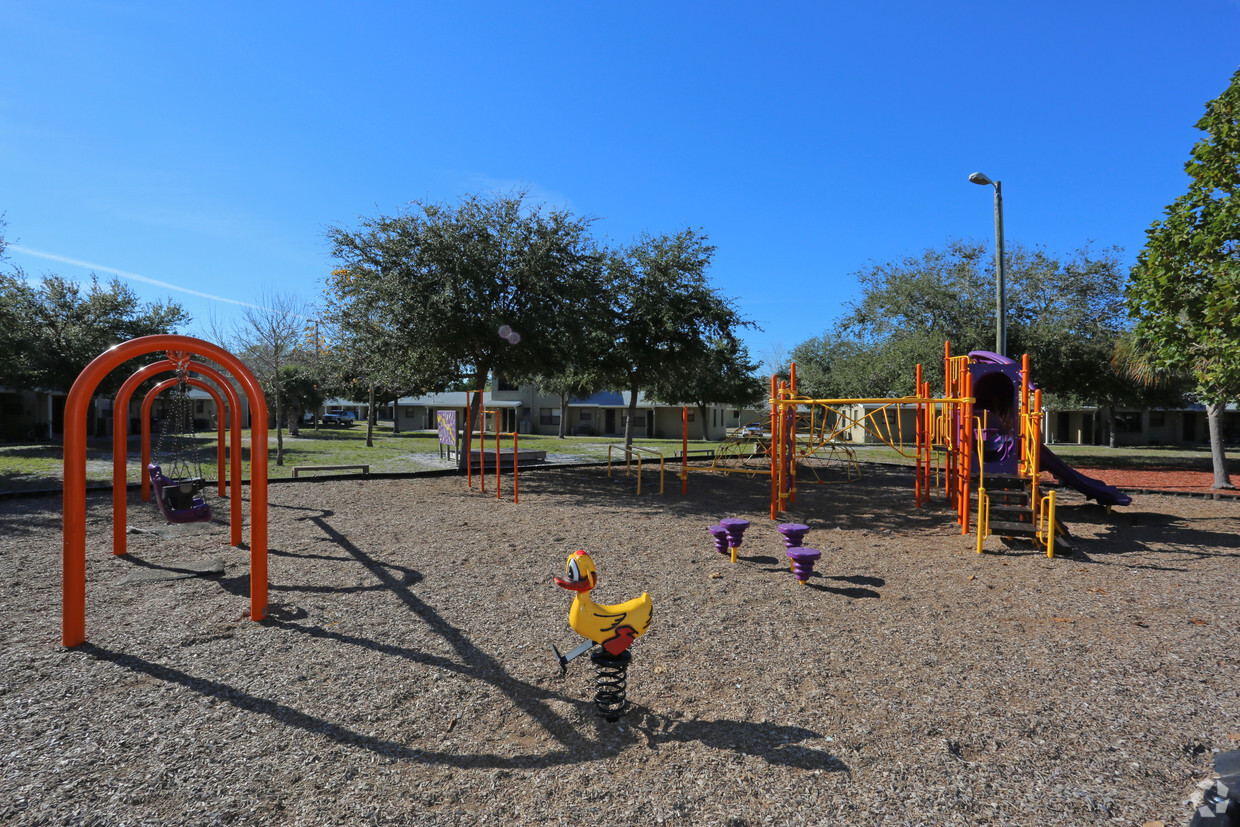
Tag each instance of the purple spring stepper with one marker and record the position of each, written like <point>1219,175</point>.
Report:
<point>736,530</point>
<point>720,535</point>
<point>803,560</point>
<point>794,534</point>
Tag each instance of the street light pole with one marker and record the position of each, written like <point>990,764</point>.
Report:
<point>1000,296</point>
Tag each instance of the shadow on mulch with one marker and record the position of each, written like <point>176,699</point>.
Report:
<point>1123,532</point>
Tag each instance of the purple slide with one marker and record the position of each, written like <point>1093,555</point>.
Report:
<point>1093,489</point>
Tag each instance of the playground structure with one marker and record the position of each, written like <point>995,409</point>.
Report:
<point>637,453</point>
<point>987,423</point>
<point>120,438</point>
<point>180,350</point>
<point>497,416</point>
<point>803,428</point>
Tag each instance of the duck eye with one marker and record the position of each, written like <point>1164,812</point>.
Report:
<point>573,570</point>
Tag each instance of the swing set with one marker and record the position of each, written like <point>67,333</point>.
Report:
<point>180,350</point>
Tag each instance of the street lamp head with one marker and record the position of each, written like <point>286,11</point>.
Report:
<point>979,178</point>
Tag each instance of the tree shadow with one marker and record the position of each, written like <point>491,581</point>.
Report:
<point>772,743</point>
<point>1123,534</point>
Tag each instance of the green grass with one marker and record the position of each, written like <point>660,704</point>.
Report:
<point>29,467</point>
<point>40,466</point>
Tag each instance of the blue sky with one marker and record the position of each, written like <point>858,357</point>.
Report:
<point>200,150</point>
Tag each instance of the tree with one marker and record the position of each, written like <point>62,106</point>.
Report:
<point>1184,290</point>
<point>489,284</point>
<point>665,310</point>
<point>719,374</point>
<point>1066,313</point>
<point>269,338</point>
<point>50,330</point>
<point>299,388</point>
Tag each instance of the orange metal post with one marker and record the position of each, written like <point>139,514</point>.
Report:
<point>684,449</point>
<point>73,607</point>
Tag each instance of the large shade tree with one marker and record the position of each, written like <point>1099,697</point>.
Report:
<point>1066,312</point>
<point>665,310</point>
<point>491,283</point>
<point>1184,290</point>
<point>52,327</point>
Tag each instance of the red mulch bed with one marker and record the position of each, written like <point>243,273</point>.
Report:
<point>1170,480</point>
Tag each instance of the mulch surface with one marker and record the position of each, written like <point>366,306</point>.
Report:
<point>1171,480</point>
<point>404,673</point>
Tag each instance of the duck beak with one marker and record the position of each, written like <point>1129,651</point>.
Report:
<point>573,585</point>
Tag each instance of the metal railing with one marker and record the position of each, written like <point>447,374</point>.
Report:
<point>629,454</point>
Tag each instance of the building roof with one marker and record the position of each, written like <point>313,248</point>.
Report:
<point>455,399</point>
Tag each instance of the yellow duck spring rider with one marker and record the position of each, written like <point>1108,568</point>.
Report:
<point>612,627</point>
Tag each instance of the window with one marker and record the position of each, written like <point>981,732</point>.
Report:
<point>1158,419</point>
<point>690,416</point>
<point>587,416</point>
<point>548,416</point>
<point>736,415</point>
<point>504,385</point>
<point>1128,422</point>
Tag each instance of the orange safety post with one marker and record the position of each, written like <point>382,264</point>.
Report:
<point>73,617</point>
<point>684,449</point>
<point>482,446</point>
<point>515,454</point>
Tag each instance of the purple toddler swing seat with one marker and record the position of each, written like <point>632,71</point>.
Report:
<point>178,500</point>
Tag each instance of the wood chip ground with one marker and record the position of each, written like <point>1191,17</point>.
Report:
<point>405,675</point>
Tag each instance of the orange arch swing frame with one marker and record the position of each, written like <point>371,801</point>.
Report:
<point>73,607</point>
<point>120,444</point>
